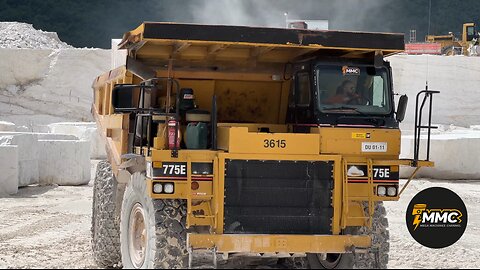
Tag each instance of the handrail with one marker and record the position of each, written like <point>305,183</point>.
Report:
<point>371,206</point>
<point>148,112</point>
<point>428,94</point>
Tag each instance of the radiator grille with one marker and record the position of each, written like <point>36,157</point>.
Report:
<point>278,197</point>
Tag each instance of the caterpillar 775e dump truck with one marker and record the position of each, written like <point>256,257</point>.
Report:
<point>246,141</point>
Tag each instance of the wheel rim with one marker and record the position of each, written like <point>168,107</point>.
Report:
<point>331,261</point>
<point>137,236</point>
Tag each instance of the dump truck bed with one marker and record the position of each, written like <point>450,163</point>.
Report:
<point>163,41</point>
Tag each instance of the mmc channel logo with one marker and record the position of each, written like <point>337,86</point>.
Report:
<point>436,217</point>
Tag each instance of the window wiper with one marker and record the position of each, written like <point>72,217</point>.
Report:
<point>344,108</point>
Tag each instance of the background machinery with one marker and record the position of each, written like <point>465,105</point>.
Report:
<point>452,45</point>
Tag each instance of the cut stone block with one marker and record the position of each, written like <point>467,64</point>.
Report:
<point>455,154</point>
<point>28,172</point>
<point>9,170</point>
<point>7,126</point>
<point>27,144</point>
<point>22,129</point>
<point>41,136</point>
<point>83,131</point>
<point>41,129</point>
<point>64,162</point>
<point>27,156</point>
<point>51,136</point>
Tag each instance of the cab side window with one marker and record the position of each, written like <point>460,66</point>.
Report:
<point>303,93</point>
<point>299,104</point>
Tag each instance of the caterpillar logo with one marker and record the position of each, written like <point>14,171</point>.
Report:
<point>435,217</point>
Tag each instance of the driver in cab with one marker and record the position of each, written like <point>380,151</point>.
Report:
<point>345,94</point>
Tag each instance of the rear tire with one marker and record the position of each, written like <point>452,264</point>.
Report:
<point>152,232</point>
<point>105,224</point>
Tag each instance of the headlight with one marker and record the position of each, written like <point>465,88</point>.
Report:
<point>392,191</point>
<point>157,188</point>
<point>168,188</point>
<point>381,191</point>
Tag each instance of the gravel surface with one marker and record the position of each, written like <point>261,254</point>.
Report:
<point>49,227</point>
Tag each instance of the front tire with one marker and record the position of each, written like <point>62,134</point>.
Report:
<point>105,223</point>
<point>332,261</point>
<point>380,239</point>
<point>152,232</point>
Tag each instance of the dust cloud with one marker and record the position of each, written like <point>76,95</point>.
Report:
<point>341,14</point>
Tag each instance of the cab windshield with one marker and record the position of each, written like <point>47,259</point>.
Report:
<point>353,90</point>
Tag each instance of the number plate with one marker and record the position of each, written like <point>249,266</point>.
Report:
<point>383,173</point>
<point>274,143</point>
<point>379,147</point>
<point>178,169</point>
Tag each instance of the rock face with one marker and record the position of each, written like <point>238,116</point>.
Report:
<point>41,86</point>
<point>456,77</point>
<point>14,35</point>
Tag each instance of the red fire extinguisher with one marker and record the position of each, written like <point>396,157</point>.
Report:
<point>172,124</point>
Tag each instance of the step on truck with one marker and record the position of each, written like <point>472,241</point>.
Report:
<point>248,141</point>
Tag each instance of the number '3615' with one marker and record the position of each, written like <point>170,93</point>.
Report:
<point>274,143</point>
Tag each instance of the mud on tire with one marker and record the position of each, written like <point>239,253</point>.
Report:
<point>105,224</point>
<point>164,244</point>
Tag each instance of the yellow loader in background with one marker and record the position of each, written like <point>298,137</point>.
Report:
<point>451,45</point>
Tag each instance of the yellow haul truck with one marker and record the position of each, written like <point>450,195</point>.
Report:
<point>246,141</point>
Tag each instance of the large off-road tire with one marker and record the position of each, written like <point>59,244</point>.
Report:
<point>380,240</point>
<point>152,232</point>
<point>105,223</point>
<point>332,261</point>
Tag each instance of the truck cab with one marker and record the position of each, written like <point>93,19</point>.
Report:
<point>318,95</point>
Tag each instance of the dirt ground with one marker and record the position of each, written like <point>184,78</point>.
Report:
<point>49,227</point>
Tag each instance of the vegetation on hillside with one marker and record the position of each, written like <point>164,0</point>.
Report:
<point>93,23</point>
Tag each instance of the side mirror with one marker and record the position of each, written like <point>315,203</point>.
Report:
<point>402,108</point>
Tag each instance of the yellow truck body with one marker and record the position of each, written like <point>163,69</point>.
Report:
<point>246,199</point>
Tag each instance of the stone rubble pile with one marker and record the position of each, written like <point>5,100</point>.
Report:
<point>15,35</point>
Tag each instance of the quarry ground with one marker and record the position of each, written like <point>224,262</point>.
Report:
<point>49,227</point>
